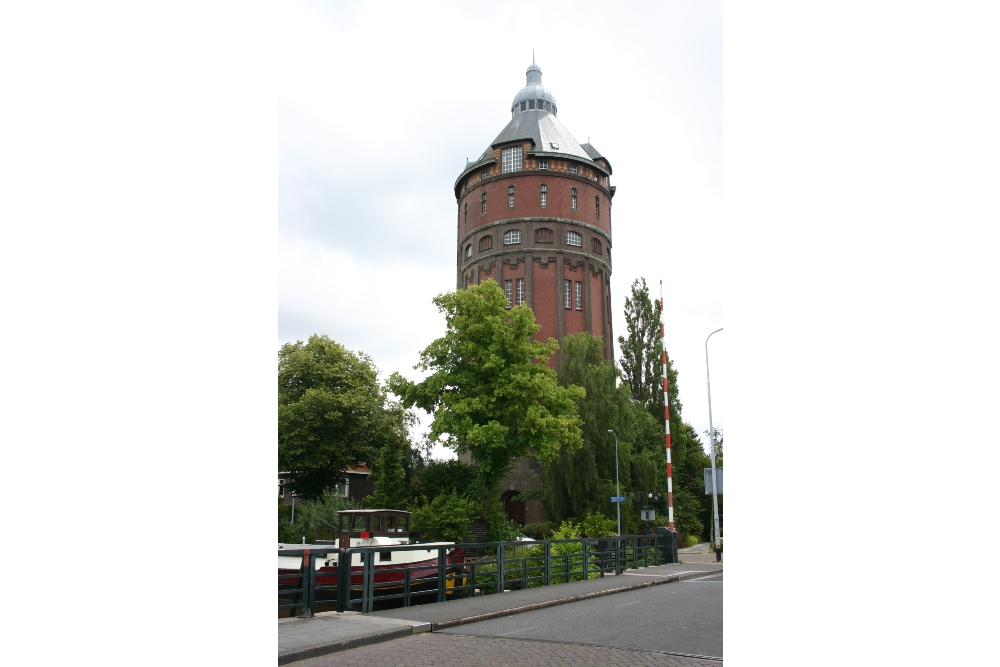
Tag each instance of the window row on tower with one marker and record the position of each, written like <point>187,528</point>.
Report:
<point>542,235</point>
<point>512,160</point>
<point>543,200</point>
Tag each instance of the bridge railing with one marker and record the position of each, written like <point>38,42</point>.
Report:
<point>445,574</point>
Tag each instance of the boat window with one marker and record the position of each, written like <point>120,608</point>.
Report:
<point>384,555</point>
<point>359,522</point>
<point>341,524</point>
<point>404,524</point>
<point>377,523</point>
<point>390,524</point>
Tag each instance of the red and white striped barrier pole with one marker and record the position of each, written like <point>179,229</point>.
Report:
<point>666,420</point>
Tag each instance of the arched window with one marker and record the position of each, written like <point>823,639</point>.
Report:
<point>511,237</point>
<point>595,245</point>
<point>468,251</point>
<point>485,243</point>
<point>573,238</point>
<point>543,235</point>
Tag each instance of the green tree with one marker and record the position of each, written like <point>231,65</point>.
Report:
<point>490,390</point>
<point>332,413</point>
<point>391,480</point>
<point>581,481</point>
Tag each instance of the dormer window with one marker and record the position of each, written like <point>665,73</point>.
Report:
<point>554,145</point>
<point>511,159</point>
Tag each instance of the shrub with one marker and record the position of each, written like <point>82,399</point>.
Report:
<point>445,518</point>
<point>499,527</point>
<point>598,525</point>
<point>540,530</point>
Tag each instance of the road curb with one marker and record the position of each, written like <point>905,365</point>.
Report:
<point>443,625</point>
<point>347,644</point>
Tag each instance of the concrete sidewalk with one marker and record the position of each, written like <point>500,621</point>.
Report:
<point>329,632</point>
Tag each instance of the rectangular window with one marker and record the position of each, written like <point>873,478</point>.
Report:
<point>510,196</point>
<point>520,291</point>
<point>531,104</point>
<point>485,174</point>
<point>510,159</point>
<point>572,192</point>
<point>543,164</point>
<point>511,237</point>
<point>507,286</point>
<point>484,203</point>
<point>597,207</point>
<point>466,212</point>
<point>579,295</point>
<point>567,291</point>
<point>573,238</point>
<point>572,169</point>
<point>545,194</point>
<point>524,106</point>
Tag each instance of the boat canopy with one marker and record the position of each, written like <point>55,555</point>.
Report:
<point>390,523</point>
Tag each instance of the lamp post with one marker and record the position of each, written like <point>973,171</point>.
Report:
<point>711,437</point>
<point>618,491</point>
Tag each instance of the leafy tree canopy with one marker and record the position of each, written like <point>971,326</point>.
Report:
<point>641,360</point>
<point>490,390</point>
<point>440,477</point>
<point>332,413</point>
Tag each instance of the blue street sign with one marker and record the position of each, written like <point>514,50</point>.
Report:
<point>617,499</point>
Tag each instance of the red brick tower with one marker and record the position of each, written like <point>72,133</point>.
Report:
<point>534,214</point>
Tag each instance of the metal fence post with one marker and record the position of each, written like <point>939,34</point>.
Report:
<point>586,561</point>
<point>500,572</point>
<point>343,582</point>
<point>524,573</point>
<point>366,582</point>
<point>311,591</point>
<point>548,568</point>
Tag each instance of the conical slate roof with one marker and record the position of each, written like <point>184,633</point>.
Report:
<point>539,125</point>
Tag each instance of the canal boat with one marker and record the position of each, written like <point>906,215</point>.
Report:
<point>370,528</point>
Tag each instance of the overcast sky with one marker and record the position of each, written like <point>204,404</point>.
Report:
<point>381,105</point>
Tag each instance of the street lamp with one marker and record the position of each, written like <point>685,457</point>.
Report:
<point>711,437</point>
<point>618,491</point>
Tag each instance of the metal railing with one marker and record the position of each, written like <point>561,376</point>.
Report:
<point>445,575</point>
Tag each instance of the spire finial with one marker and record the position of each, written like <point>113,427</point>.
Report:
<point>532,55</point>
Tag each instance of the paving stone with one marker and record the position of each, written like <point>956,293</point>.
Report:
<point>440,650</point>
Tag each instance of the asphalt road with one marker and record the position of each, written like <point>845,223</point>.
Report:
<point>683,617</point>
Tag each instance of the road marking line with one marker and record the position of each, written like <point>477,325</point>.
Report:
<point>626,604</point>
